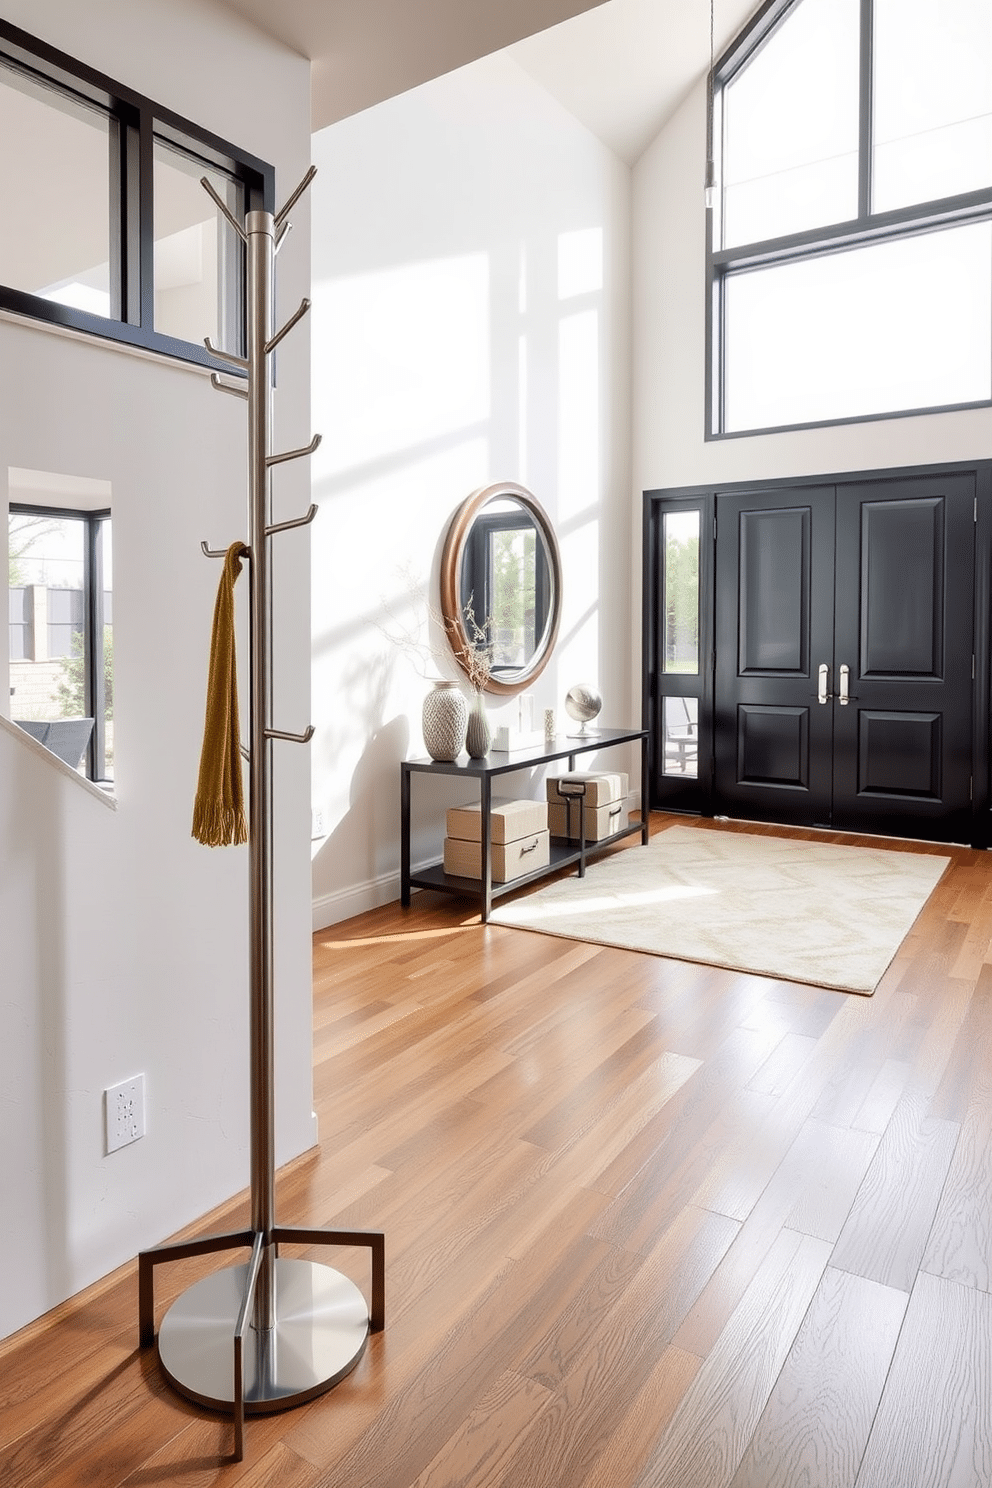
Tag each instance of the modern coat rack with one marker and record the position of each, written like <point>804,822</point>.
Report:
<point>273,1332</point>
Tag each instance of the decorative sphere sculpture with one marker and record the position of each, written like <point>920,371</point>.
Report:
<point>582,703</point>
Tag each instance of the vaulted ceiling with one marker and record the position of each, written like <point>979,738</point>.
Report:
<point>621,66</point>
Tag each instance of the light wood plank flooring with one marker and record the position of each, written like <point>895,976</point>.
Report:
<point>648,1225</point>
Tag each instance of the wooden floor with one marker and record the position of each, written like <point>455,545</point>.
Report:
<point>648,1225</point>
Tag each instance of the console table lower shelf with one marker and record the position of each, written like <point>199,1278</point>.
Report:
<point>564,852</point>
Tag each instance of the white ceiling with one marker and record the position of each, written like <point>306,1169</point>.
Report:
<point>366,50</point>
<point>623,69</point>
<point>621,66</point>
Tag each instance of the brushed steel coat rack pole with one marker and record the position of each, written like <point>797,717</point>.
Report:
<point>273,1332</point>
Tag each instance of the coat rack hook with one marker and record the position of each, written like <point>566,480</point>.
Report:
<point>225,387</point>
<point>222,552</point>
<point>291,322</point>
<point>226,356</point>
<point>281,216</point>
<point>222,207</point>
<point>295,454</point>
<point>303,521</point>
<point>303,738</point>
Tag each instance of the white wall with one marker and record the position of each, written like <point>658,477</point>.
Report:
<point>471,314</point>
<point>669,290</point>
<point>124,943</point>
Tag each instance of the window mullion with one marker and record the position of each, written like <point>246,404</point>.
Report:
<point>146,218</point>
<point>130,217</point>
<point>865,120</point>
<point>118,220</point>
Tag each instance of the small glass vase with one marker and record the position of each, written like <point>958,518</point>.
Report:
<point>478,735</point>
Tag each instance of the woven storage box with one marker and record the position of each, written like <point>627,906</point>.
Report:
<point>599,790</point>
<point>509,820</point>
<point>599,821</point>
<point>509,859</point>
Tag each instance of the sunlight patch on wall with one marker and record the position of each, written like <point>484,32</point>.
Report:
<point>405,356</point>
<point>577,652</point>
<point>580,262</point>
<point>578,413</point>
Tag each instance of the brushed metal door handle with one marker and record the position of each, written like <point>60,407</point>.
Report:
<point>822,681</point>
<point>845,679</point>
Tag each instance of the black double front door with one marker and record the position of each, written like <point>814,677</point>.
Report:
<point>844,656</point>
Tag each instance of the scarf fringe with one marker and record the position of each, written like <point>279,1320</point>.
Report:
<point>218,826</point>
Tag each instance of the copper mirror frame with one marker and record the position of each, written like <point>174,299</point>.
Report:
<point>453,602</point>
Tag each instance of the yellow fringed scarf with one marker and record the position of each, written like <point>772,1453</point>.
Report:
<point>219,808</point>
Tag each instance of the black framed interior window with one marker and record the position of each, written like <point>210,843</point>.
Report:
<point>114,234</point>
<point>60,586</point>
<point>850,253</point>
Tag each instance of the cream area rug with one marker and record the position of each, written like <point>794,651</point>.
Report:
<point>814,912</point>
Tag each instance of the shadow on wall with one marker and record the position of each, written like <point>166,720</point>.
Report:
<point>34,834</point>
<point>372,820</point>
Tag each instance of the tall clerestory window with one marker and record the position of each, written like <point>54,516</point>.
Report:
<point>851,244</point>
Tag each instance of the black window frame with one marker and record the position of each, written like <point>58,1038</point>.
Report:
<point>135,123</point>
<point>866,228</point>
<point>94,620</point>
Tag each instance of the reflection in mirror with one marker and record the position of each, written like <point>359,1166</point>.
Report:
<point>501,585</point>
<point>60,584</point>
<point>505,585</point>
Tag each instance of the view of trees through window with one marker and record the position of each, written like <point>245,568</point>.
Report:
<point>681,592</point>
<point>59,595</point>
<point>514,596</point>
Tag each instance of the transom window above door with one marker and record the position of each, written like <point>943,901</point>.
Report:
<point>850,260</point>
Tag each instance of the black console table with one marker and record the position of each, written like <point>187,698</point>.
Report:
<point>563,851</point>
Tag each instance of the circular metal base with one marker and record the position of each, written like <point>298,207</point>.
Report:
<point>322,1326</point>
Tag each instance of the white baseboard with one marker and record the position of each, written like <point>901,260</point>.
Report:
<point>330,909</point>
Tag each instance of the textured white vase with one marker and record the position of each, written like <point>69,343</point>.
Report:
<point>478,735</point>
<point>444,720</point>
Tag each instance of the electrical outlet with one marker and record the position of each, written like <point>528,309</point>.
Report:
<point>124,1112</point>
<point>316,823</point>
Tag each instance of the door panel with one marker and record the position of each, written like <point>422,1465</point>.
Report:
<point>774,626</point>
<point>899,754</point>
<point>902,572</point>
<point>905,627</point>
<point>775,564</point>
<point>773,746</point>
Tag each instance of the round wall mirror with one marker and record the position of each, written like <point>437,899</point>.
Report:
<point>501,585</point>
